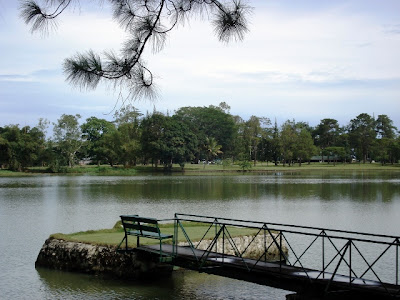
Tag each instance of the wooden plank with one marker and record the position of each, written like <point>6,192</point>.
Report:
<point>147,220</point>
<point>129,217</point>
<point>136,218</point>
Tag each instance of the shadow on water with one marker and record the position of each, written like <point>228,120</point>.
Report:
<point>183,284</point>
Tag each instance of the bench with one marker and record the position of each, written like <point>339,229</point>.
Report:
<point>142,228</point>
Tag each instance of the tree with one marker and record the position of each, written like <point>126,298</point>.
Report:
<point>336,152</point>
<point>94,130</point>
<point>362,134</point>
<point>68,137</point>
<point>326,133</point>
<point>275,150</point>
<point>147,23</point>
<point>384,127</point>
<point>130,143</point>
<point>304,147</point>
<point>180,143</point>
<point>128,122</point>
<point>239,149</point>
<point>344,142</point>
<point>111,145</point>
<point>288,138</point>
<point>167,140</point>
<point>127,114</point>
<point>252,134</point>
<point>209,122</point>
<point>20,148</point>
<point>213,149</point>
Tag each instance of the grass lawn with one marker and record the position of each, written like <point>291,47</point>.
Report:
<point>212,169</point>
<point>115,235</point>
<point>8,173</point>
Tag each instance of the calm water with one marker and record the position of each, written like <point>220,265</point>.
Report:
<point>32,208</point>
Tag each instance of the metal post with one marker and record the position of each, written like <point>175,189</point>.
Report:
<point>223,243</point>
<point>280,251</point>
<point>350,269</point>
<point>175,238</point>
<point>323,254</point>
<point>216,241</point>
<point>397,261</point>
<point>265,246</point>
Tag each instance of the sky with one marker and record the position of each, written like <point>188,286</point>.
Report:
<point>304,60</point>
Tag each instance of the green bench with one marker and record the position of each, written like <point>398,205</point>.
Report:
<point>141,227</point>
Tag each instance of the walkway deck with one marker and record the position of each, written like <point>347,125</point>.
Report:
<point>279,275</point>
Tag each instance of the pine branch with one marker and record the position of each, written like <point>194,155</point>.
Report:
<point>147,23</point>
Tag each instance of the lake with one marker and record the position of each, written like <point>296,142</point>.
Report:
<point>32,208</point>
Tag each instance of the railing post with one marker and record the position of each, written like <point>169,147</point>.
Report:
<point>350,268</point>
<point>175,240</point>
<point>323,254</point>
<point>265,244</point>
<point>216,232</point>
<point>397,261</point>
<point>223,243</point>
<point>280,251</point>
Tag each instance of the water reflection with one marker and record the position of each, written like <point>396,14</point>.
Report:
<point>253,187</point>
<point>182,284</point>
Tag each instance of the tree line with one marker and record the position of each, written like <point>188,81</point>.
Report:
<point>195,135</point>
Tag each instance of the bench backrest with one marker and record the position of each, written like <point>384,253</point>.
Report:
<point>139,223</point>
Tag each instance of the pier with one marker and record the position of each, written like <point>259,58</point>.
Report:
<point>314,263</point>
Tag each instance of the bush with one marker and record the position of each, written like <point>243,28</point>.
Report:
<point>245,165</point>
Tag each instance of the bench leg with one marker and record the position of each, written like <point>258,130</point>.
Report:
<point>121,243</point>
<point>137,242</point>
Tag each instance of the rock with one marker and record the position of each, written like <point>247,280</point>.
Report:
<point>94,259</point>
<point>254,251</point>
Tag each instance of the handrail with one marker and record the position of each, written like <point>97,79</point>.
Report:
<point>292,225</point>
<point>301,232</point>
<point>280,233</point>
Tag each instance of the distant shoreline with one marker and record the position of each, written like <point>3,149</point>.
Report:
<point>194,169</point>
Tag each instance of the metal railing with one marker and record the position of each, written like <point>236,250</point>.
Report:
<point>356,259</point>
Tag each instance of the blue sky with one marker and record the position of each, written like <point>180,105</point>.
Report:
<point>304,60</point>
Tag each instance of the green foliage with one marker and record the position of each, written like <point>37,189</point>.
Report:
<point>68,137</point>
<point>362,134</point>
<point>226,162</point>
<point>244,163</point>
<point>326,133</point>
<point>167,140</point>
<point>191,135</point>
<point>212,148</point>
<point>20,148</point>
<point>209,122</point>
<point>288,139</point>
<point>94,130</point>
<point>304,147</point>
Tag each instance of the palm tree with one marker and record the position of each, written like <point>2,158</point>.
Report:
<point>212,148</point>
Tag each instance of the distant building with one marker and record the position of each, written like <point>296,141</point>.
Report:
<point>324,158</point>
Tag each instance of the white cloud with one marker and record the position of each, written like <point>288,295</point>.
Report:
<point>294,58</point>
<point>310,47</point>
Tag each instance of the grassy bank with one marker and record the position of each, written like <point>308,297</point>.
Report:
<point>114,235</point>
<point>211,169</point>
<point>263,166</point>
